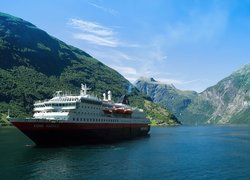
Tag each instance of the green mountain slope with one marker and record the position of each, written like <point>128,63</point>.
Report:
<point>226,102</point>
<point>33,65</point>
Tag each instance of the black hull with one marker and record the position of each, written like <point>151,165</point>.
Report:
<point>61,135</point>
<point>81,137</point>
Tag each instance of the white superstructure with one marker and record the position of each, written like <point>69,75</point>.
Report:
<point>86,108</point>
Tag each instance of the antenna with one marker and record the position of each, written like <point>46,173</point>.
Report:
<point>109,95</point>
<point>84,89</point>
<point>8,116</point>
<point>58,93</point>
<point>104,96</point>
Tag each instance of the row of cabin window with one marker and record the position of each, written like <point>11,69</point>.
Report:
<point>70,99</point>
<point>88,113</point>
<point>37,106</point>
<point>94,120</point>
<point>51,111</point>
<point>90,102</point>
<point>67,104</point>
<point>48,105</point>
<point>89,107</point>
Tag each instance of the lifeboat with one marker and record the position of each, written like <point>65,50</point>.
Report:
<point>119,110</point>
<point>128,111</point>
<point>122,110</point>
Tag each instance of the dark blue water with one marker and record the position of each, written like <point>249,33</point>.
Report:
<point>169,153</point>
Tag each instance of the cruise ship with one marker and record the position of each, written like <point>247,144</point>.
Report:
<point>82,119</point>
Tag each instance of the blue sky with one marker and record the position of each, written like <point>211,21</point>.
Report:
<point>190,43</point>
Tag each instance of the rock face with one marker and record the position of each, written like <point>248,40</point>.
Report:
<point>226,102</point>
<point>231,98</point>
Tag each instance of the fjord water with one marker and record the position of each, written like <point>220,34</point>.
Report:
<point>204,152</point>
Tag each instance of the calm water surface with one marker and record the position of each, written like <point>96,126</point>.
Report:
<point>169,153</point>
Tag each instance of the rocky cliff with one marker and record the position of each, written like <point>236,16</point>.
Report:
<point>226,102</point>
<point>231,98</point>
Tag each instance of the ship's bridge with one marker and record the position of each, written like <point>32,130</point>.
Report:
<point>56,103</point>
<point>56,108</point>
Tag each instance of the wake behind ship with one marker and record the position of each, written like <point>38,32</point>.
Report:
<point>83,119</point>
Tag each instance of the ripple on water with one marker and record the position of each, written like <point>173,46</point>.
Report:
<point>169,153</point>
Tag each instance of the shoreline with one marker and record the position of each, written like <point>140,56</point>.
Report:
<point>5,125</point>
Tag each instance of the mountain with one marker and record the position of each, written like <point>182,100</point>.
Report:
<point>226,102</point>
<point>33,60</point>
<point>231,98</point>
<point>33,65</point>
<point>179,102</point>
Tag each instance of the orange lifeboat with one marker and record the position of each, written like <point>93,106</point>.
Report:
<point>128,111</point>
<point>119,110</point>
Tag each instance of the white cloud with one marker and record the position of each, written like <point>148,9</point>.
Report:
<point>197,85</point>
<point>151,63</point>
<point>133,68</point>
<point>150,59</point>
<point>91,27</point>
<point>104,9</point>
<point>112,56</point>
<point>125,70</point>
<point>108,41</point>
<point>97,34</point>
<point>169,81</point>
<point>94,33</point>
<point>176,81</point>
<point>129,73</point>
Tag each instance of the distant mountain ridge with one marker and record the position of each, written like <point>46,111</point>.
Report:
<point>33,65</point>
<point>226,102</point>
